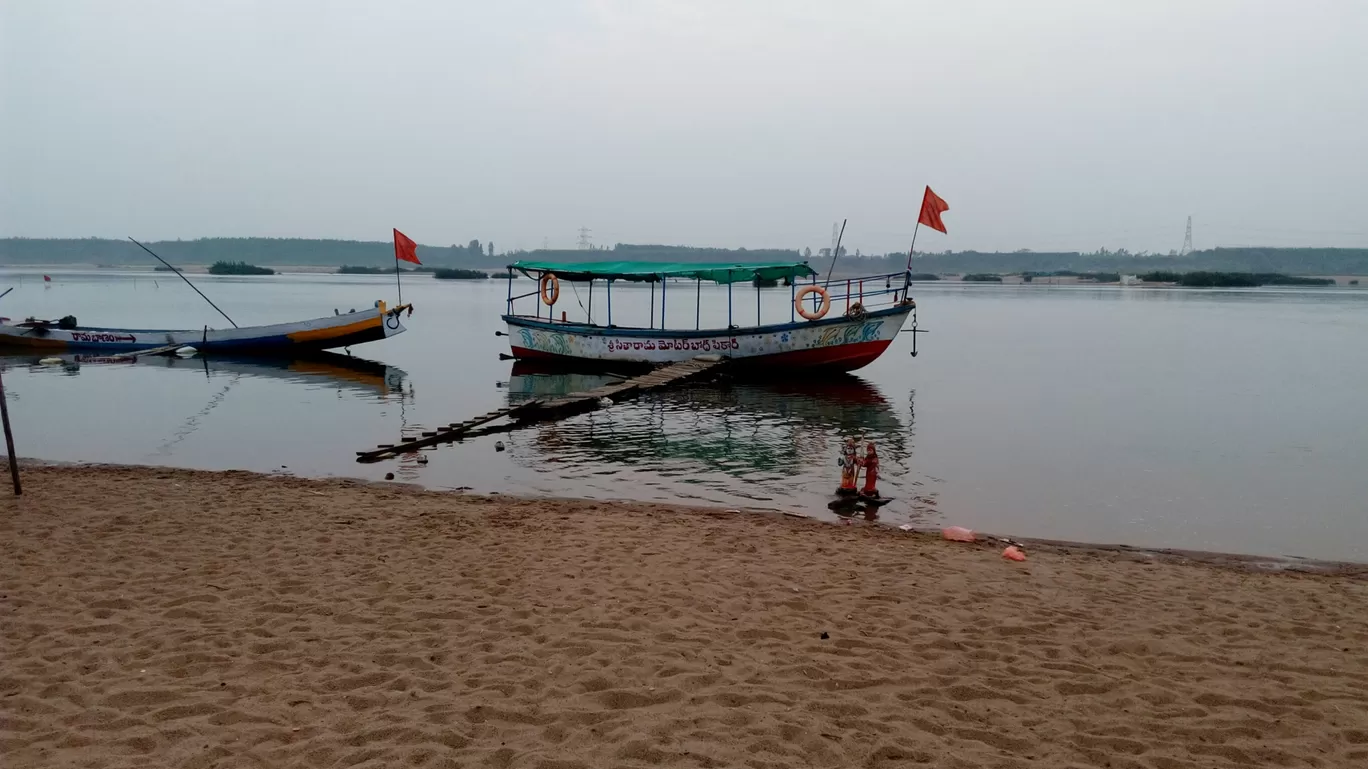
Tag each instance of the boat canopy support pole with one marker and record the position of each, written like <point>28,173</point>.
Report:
<point>650,321</point>
<point>793,298</point>
<point>610,303</point>
<point>757,302</point>
<point>591,301</point>
<point>662,302</point>
<point>698,304</point>
<point>509,308</point>
<point>729,299</point>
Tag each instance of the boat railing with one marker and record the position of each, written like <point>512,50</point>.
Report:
<point>869,292</point>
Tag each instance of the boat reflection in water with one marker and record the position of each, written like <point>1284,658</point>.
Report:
<point>358,375</point>
<point>767,441</point>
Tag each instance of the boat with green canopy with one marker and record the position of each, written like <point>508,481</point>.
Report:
<point>840,326</point>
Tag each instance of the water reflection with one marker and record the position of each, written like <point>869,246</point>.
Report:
<point>345,372</point>
<point>755,440</point>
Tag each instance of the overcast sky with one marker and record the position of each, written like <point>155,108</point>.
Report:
<point>1046,124</point>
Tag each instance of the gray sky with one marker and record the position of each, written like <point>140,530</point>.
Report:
<point>1046,124</point>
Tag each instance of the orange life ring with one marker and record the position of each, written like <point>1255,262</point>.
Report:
<point>811,314</point>
<point>551,282</point>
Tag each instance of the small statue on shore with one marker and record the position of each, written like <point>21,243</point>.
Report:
<point>850,468</point>
<point>871,468</point>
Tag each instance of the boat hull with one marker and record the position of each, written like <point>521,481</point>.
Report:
<point>353,328</point>
<point>838,344</point>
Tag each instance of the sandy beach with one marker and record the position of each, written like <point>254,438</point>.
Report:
<point>156,617</point>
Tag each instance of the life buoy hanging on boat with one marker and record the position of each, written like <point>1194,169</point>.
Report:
<point>550,289</point>
<point>812,314</point>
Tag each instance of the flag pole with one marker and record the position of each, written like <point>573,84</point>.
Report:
<point>913,247</point>
<point>397,282</point>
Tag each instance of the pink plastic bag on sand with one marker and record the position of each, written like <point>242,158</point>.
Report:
<point>957,534</point>
<point>1012,553</point>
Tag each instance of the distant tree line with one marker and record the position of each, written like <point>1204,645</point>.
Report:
<point>353,269</point>
<point>623,252</point>
<point>280,252</point>
<point>1288,261</point>
<point>477,255</point>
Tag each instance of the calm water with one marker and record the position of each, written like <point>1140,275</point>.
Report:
<point>1222,420</point>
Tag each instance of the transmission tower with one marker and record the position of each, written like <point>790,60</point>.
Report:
<point>584,243</point>
<point>1187,239</point>
<point>835,237</point>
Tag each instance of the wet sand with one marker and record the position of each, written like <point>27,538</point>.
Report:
<point>158,617</point>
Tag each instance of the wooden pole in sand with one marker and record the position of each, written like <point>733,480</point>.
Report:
<point>9,439</point>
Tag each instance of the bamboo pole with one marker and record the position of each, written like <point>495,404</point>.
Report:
<point>9,440</point>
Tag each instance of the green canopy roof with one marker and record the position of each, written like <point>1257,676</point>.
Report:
<point>650,271</point>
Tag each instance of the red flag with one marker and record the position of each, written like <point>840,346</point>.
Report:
<point>406,249</point>
<point>47,279</point>
<point>932,208</point>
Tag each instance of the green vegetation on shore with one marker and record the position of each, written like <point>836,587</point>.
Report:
<point>760,282</point>
<point>924,276</point>
<point>1202,279</point>
<point>238,268</point>
<point>982,277</point>
<point>454,274</point>
<point>1096,277</point>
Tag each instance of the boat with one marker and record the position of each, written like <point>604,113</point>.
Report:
<point>872,310</point>
<point>339,330</point>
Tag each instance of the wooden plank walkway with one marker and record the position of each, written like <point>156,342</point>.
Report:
<point>165,350</point>
<point>532,411</point>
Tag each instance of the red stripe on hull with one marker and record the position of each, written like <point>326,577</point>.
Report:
<point>846,357</point>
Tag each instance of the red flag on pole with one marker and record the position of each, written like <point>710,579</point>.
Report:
<point>406,249</point>
<point>47,279</point>
<point>932,208</point>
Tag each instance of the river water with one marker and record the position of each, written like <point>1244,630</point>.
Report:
<point>1219,420</point>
